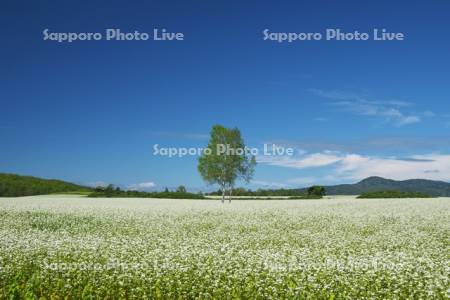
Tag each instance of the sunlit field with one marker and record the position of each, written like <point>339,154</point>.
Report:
<point>58,246</point>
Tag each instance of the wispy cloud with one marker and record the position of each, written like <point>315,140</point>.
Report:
<point>95,184</point>
<point>180,135</point>
<point>447,120</point>
<point>398,144</point>
<point>320,119</point>
<point>357,167</point>
<point>196,136</point>
<point>391,111</point>
<point>300,162</point>
<point>429,114</point>
<point>387,113</point>
<point>303,181</point>
<point>341,95</point>
<point>269,184</point>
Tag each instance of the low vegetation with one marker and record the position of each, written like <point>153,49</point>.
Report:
<point>12,185</point>
<point>313,192</point>
<point>305,197</point>
<point>115,192</point>
<point>393,194</point>
<point>16,186</point>
<point>263,192</point>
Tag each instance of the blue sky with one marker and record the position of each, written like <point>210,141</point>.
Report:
<point>91,111</point>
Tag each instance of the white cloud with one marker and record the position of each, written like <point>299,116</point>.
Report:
<point>389,110</point>
<point>429,114</point>
<point>447,120</point>
<point>311,160</point>
<point>352,166</point>
<point>320,119</point>
<point>269,184</point>
<point>430,166</point>
<point>388,114</point>
<point>96,184</point>
<point>180,135</point>
<point>196,136</point>
<point>303,181</point>
<point>143,186</point>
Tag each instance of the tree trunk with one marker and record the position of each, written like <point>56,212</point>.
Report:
<point>231,192</point>
<point>223,194</point>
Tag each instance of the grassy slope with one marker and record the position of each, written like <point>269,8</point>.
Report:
<point>12,185</point>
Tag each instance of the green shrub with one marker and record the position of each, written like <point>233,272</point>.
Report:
<point>316,190</point>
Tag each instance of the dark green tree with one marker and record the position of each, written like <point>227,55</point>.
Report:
<point>316,190</point>
<point>109,190</point>
<point>181,189</point>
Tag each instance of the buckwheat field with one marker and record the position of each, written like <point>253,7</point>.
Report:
<point>343,248</point>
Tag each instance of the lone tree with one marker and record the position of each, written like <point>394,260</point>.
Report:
<point>225,159</point>
<point>316,190</point>
<point>181,189</point>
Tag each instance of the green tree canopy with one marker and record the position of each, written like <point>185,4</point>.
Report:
<point>316,190</point>
<point>225,159</point>
<point>181,189</point>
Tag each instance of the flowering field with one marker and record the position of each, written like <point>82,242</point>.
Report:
<point>342,248</point>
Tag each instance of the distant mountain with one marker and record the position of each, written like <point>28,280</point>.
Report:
<point>12,185</point>
<point>373,184</point>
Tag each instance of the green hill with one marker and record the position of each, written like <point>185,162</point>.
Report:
<point>12,185</point>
